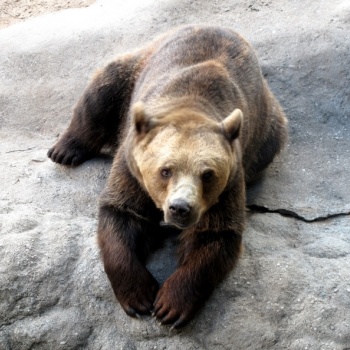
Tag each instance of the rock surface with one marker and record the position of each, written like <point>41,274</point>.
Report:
<point>15,11</point>
<point>291,289</point>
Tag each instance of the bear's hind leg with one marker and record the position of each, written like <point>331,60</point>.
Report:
<point>274,139</point>
<point>98,114</point>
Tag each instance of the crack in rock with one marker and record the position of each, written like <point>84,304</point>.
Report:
<point>20,150</point>
<point>289,213</point>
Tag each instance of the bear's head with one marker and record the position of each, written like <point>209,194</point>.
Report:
<point>183,159</point>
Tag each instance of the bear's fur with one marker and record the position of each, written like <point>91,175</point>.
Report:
<point>193,121</point>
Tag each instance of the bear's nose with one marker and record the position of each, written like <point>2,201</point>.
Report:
<point>180,208</point>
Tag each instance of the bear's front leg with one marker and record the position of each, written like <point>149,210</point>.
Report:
<point>98,114</point>
<point>124,245</point>
<point>205,260</point>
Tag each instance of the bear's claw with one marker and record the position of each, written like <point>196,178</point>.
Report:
<point>70,158</point>
<point>174,304</point>
<point>136,296</point>
<point>68,152</point>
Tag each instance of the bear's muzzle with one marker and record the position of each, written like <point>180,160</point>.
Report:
<point>181,209</point>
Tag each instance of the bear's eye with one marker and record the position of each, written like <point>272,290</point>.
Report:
<point>165,173</point>
<point>207,175</point>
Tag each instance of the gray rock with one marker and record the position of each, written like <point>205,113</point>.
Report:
<point>291,288</point>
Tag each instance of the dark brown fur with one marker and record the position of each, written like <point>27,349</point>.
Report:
<point>206,69</point>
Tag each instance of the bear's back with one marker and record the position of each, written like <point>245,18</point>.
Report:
<point>210,62</point>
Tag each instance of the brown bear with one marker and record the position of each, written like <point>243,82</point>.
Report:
<point>193,121</point>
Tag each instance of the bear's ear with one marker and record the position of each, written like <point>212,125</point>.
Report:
<point>231,125</point>
<point>141,120</point>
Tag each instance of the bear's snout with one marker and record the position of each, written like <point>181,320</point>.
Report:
<point>180,213</point>
<point>179,209</point>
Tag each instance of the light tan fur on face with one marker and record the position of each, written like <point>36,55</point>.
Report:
<point>187,146</point>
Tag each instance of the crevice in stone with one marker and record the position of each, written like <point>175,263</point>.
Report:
<point>20,150</point>
<point>289,213</point>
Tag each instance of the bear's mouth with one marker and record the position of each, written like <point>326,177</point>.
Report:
<point>167,224</point>
<point>175,225</point>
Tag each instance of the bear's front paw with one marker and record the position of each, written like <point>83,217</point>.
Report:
<point>68,151</point>
<point>136,295</point>
<point>176,301</point>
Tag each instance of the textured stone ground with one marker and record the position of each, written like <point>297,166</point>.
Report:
<point>291,289</point>
<point>14,11</point>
